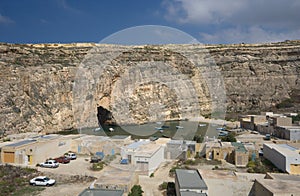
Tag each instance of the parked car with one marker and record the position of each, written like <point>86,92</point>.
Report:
<point>50,164</point>
<point>71,156</point>
<point>267,137</point>
<point>95,159</point>
<point>42,181</point>
<point>62,159</point>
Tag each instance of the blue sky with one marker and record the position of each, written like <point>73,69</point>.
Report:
<point>209,21</point>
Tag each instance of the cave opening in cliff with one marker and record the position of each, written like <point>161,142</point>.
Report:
<point>104,116</point>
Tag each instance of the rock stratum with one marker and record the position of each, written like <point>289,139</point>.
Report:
<point>53,87</point>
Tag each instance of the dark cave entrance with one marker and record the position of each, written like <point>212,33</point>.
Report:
<point>104,116</point>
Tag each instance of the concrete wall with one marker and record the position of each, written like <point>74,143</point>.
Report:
<point>41,150</point>
<point>275,157</point>
<point>173,151</point>
<point>282,121</point>
<point>241,158</point>
<point>288,134</point>
<point>259,189</point>
<point>265,129</point>
<point>246,125</point>
<point>85,146</point>
<point>258,119</point>
<point>294,161</point>
<point>48,149</point>
<point>156,160</point>
<point>295,135</point>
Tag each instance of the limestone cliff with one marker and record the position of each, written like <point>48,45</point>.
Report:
<point>37,82</point>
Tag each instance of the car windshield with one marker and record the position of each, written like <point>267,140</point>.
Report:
<point>46,179</point>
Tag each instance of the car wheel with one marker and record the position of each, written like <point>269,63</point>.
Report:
<point>47,184</point>
<point>33,184</point>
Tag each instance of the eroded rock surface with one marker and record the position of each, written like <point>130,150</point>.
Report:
<point>37,81</point>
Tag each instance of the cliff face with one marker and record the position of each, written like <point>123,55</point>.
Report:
<point>37,83</point>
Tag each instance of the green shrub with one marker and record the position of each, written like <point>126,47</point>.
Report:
<point>97,166</point>
<point>151,175</point>
<point>296,118</point>
<point>190,162</point>
<point>229,138</point>
<point>136,190</point>
<point>287,103</point>
<point>172,170</point>
<point>198,138</point>
<point>163,186</point>
<point>261,166</point>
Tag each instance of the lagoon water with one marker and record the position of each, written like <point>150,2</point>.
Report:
<point>172,129</point>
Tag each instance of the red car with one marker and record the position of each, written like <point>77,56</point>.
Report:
<point>62,159</point>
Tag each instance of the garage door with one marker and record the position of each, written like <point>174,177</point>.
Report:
<point>295,168</point>
<point>142,167</point>
<point>9,157</point>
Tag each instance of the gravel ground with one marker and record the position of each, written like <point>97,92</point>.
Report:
<point>80,167</point>
<point>229,183</point>
<point>71,189</point>
<point>150,185</point>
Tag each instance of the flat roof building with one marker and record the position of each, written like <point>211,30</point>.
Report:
<point>35,150</point>
<point>146,156</point>
<point>283,156</point>
<point>189,182</point>
<point>241,155</point>
<point>269,187</point>
<point>288,132</point>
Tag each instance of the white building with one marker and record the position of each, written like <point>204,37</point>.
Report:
<point>283,156</point>
<point>146,156</point>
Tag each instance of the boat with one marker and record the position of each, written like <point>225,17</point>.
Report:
<point>223,133</point>
<point>220,128</point>
<point>111,129</point>
<point>97,129</point>
<point>179,127</point>
<point>159,123</point>
<point>202,125</point>
<point>159,128</point>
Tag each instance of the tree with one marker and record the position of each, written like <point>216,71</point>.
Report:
<point>229,138</point>
<point>136,190</point>
<point>198,138</point>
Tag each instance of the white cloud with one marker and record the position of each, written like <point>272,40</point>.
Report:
<point>251,12</point>
<point>238,20</point>
<point>201,11</point>
<point>250,35</point>
<point>5,20</point>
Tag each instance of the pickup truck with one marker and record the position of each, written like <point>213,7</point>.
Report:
<point>49,164</point>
